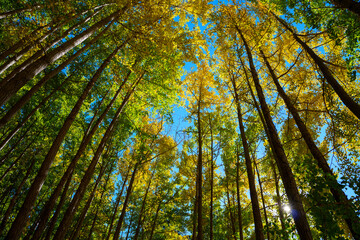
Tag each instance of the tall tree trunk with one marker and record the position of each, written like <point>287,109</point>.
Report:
<point>350,5</point>
<point>353,106</point>
<point>66,221</point>
<point>21,219</point>
<point>286,174</point>
<point>199,169</point>
<point>46,211</point>
<point>211,181</point>
<point>20,125</point>
<point>83,214</point>
<point>155,219</point>
<point>40,53</point>
<point>126,201</point>
<point>117,204</point>
<point>20,10</point>
<point>39,65</point>
<point>27,96</point>
<point>16,195</point>
<point>253,194</point>
<point>350,216</point>
<point>232,221</point>
<point>278,197</point>
<point>262,197</point>
<point>238,194</point>
<point>140,220</point>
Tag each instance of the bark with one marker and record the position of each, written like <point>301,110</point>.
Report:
<point>117,205</point>
<point>21,219</point>
<point>83,214</point>
<point>41,52</point>
<point>140,220</point>
<point>39,65</point>
<point>69,214</point>
<point>353,106</point>
<point>16,144</point>
<point>27,96</point>
<point>17,11</point>
<point>211,180</point>
<point>70,169</point>
<point>199,170</point>
<point>262,197</point>
<point>286,174</point>
<point>253,194</point>
<point>278,196</point>
<point>15,197</point>
<point>126,201</point>
<point>350,217</point>
<point>155,219</point>
<point>232,221</point>
<point>238,194</point>
<point>350,5</point>
<point>20,125</point>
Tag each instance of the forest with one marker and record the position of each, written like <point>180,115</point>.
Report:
<point>179,119</point>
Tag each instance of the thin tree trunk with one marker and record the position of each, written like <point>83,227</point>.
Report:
<point>238,194</point>
<point>16,11</point>
<point>20,125</point>
<point>70,169</point>
<point>140,220</point>
<point>66,221</point>
<point>199,169</point>
<point>232,221</point>
<point>211,181</point>
<point>253,194</point>
<point>36,67</point>
<point>40,53</point>
<point>155,219</point>
<point>83,214</point>
<point>286,174</point>
<point>262,197</point>
<point>350,216</point>
<point>117,205</point>
<point>21,219</point>
<point>127,198</point>
<point>278,196</point>
<point>353,106</point>
<point>16,195</point>
<point>27,96</point>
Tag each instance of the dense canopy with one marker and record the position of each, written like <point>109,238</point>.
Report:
<point>179,119</point>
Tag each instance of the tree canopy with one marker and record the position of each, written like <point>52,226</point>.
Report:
<point>179,119</point>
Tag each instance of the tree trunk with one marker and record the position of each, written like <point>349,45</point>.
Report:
<point>27,96</point>
<point>211,181</point>
<point>262,197</point>
<point>15,197</point>
<point>21,219</point>
<point>155,219</point>
<point>278,196</point>
<point>39,65</point>
<point>253,194</point>
<point>126,201</point>
<point>83,214</point>
<point>117,205</point>
<point>199,169</point>
<point>350,5</point>
<point>350,216</point>
<point>353,106</point>
<point>140,220</point>
<point>20,125</point>
<point>232,221</point>
<point>238,194</point>
<point>66,221</point>
<point>286,174</point>
<point>16,11</point>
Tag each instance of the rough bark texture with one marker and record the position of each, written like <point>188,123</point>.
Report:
<point>353,106</point>
<point>350,218</point>
<point>298,212</point>
<point>253,194</point>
